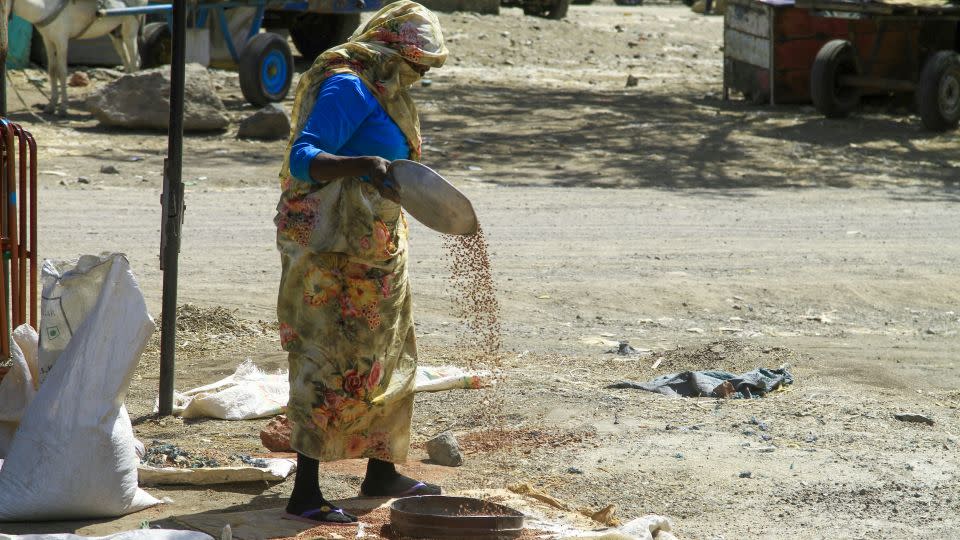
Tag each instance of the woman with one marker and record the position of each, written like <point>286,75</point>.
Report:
<point>344,304</point>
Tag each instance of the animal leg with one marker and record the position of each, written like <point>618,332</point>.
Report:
<point>131,33</point>
<point>118,46</point>
<point>53,73</point>
<point>61,63</point>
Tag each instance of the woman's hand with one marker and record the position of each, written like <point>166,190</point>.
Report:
<point>377,172</point>
<point>327,167</point>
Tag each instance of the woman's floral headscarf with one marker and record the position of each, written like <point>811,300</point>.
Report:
<point>378,53</point>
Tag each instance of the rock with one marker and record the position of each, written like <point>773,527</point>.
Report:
<point>83,180</point>
<point>444,450</point>
<point>271,122</point>
<point>109,169</point>
<point>276,435</point>
<point>79,78</point>
<point>574,470</point>
<point>142,101</point>
<point>915,418</point>
<point>746,474</point>
<point>632,81</point>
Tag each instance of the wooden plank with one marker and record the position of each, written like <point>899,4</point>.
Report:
<point>792,23</point>
<point>885,7</point>
<point>878,83</point>
<point>744,47</point>
<point>752,81</point>
<point>793,86</point>
<point>839,5</point>
<point>797,53</point>
<point>753,20</point>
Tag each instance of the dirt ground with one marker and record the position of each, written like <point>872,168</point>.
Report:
<point>709,234</point>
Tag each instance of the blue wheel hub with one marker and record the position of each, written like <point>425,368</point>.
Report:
<point>273,72</point>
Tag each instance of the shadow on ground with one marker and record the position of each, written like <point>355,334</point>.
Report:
<point>568,137</point>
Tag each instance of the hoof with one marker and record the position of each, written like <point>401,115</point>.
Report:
<point>50,109</point>
<point>62,111</point>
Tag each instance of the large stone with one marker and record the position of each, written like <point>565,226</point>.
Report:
<point>444,450</point>
<point>276,435</point>
<point>142,101</point>
<point>271,122</point>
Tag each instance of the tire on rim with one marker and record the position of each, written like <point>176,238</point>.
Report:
<point>558,10</point>
<point>155,45</point>
<point>314,33</point>
<point>266,69</point>
<point>834,60</point>
<point>938,94</point>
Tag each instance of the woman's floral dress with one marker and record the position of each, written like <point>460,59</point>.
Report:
<point>346,322</point>
<point>344,305</point>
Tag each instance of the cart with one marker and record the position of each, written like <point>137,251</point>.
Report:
<point>911,48</point>
<point>263,59</point>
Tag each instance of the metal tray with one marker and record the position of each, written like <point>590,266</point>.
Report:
<point>442,516</point>
<point>431,200</point>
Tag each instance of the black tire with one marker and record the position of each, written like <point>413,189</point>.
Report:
<point>835,59</point>
<point>155,45</point>
<point>259,81</point>
<point>938,94</point>
<point>558,10</point>
<point>314,33</point>
<point>533,9</point>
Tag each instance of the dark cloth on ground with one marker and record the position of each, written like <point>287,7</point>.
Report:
<point>752,384</point>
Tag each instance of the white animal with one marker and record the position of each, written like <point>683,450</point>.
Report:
<point>59,21</point>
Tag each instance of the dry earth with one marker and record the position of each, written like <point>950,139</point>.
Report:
<point>725,236</point>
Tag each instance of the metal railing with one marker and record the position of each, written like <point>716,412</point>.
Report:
<point>18,230</point>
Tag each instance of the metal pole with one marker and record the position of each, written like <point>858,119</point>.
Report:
<point>172,208</point>
<point>4,47</point>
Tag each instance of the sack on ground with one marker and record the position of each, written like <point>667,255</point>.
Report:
<point>20,385</point>
<point>73,456</point>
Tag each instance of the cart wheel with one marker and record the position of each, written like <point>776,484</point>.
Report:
<point>155,47</point>
<point>558,10</point>
<point>938,94</point>
<point>835,59</point>
<point>314,33</point>
<point>266,68</point>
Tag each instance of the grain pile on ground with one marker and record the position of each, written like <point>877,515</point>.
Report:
<point>163,454</point>
<point>210,328</point>
<point>733,355</point>
<point>524,440</point>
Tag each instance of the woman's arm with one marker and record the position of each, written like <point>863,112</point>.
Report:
<point>326,167</point>
<point>341,106</point>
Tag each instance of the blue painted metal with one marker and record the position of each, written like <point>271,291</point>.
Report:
<point>202,14</point>
<point>257,23</point>
<point>273,72</point>
<point>137,10</point>
<point>222,20</point>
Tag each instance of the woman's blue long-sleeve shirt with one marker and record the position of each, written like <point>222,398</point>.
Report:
<point>346,120</point>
